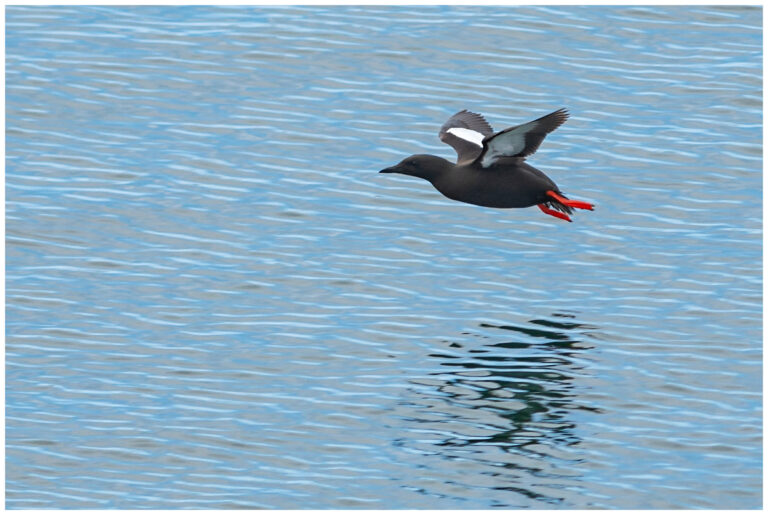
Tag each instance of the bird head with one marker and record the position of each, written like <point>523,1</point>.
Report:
<point>423,166</point>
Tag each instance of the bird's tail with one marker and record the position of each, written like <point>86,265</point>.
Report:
<point>558,205</point>
<point>565,205</point>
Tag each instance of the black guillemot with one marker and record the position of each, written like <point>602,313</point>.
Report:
<point>490,170</point>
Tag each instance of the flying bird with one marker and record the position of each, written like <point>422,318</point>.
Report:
<point>490,168</point>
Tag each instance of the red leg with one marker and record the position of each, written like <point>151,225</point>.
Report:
<point>552,212</point>
<point>579,204</point>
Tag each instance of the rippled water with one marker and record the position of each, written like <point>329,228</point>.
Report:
<point>214,301</point>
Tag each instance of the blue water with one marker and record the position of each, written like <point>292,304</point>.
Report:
<point>214,301</point>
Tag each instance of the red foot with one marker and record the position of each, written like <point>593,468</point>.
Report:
<point>578,204</point>
<point>552,212</point>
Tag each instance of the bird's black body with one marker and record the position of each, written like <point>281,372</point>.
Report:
<point>491,170</point>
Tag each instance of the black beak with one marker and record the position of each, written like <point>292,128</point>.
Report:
<point>391,169</point>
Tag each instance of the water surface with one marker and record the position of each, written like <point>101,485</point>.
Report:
<point>213,300</point>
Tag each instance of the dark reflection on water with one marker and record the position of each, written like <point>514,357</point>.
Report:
<point>522,392</point>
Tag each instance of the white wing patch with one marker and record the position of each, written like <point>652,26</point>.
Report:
<point>505,144</point>
<point>467,135</point>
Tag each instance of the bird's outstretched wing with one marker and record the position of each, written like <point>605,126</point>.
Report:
<point>465,132</point>
<point>520,141</point>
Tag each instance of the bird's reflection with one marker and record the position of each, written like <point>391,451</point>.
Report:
<point>509,406</point>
